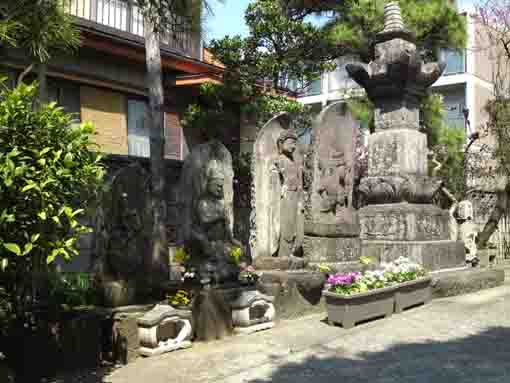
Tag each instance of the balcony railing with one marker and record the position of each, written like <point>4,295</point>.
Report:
<point>119,15</point>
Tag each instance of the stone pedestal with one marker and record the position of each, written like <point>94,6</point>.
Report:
<point>417,231</point>
<point>331,251</point>
<point>252,311</point>
<point>433,255</point>
<point>164,329</point>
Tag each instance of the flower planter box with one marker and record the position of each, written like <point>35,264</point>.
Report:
<point>347,310</point>
<point>412,293</point>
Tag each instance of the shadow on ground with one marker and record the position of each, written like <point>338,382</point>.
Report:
<point>483,357</point>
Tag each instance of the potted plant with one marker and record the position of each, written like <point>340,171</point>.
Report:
<point>182,300</point>
<point>353,297</point>
<point>411,280</point>
<point>247,275</point>
<point>397,285</point>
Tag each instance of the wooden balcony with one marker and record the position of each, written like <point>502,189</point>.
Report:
<point>124,20</point>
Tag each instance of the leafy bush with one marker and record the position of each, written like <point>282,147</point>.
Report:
<point>72,289</point>
<point>49,177</point>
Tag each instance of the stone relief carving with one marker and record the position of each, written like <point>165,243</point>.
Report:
<point>330,210</point>
<point>206,205</point>
<point>123,239</point>
<point>277,194</point>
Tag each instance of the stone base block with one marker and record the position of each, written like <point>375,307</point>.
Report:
<point>404,222</point>
<point>146,351</point>
<point>279,263</point>
<point>433,255</point>
<point>254,328</point>
<point>296,293</point>
<point>332,250</point>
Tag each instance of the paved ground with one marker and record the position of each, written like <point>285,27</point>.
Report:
<point>459,339</point>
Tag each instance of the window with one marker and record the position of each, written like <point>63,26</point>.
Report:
<point>455,61</point>
<point>174,144</point>
<point>315,88</point>
<point>67,95</point>
<point>138,129</point>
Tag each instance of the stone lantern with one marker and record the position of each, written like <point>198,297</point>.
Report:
<point>398,217</point>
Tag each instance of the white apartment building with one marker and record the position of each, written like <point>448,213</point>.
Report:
<point>465,84</point>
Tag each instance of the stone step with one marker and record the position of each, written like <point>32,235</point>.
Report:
<point>448,283</point>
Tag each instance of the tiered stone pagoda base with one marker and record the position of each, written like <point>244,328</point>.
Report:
<point>416,231</point>
<point>433,255</point>
<point>331,251</point>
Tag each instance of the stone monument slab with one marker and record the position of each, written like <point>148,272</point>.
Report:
<point>332,224</point>
<point>277,193</point>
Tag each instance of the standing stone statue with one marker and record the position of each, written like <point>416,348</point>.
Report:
<point>123,238</point>
<point>467,231</point>
<point>331,222</point>
<point>398,218</point>
<point>206,201</point>
<point>277,198</point>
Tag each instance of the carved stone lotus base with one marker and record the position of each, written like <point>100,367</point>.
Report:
<point>404,222</point>
<point>433,255</point>
<point>252,311</point>
<point>331,250</point>
<point>164,329</point>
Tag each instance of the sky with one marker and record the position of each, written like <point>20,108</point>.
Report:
<point>227,17</point>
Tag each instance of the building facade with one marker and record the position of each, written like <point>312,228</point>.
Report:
<point>104,81</point>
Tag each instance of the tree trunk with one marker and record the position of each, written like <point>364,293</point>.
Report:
<point>42,72</point>
<point>159,262</point>
<point>492,224</point>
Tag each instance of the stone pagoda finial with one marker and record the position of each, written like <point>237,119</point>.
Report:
<point>393,18</point>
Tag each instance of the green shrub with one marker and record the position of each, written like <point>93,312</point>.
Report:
<point>49,176</point>
<point>72,289</point>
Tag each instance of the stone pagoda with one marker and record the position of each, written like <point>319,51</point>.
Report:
<point>398,217</point>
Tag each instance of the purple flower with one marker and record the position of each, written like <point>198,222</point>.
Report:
<point>343,279</point>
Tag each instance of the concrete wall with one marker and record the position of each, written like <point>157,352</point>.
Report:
<point>485,53</point>
<point>482,96</point>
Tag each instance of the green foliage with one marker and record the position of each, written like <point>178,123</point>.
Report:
<point>435,23</point>
<point>363,110</point>
<point>40,27</point>
<point>72,289</point>
<point>236,253</point>
<point>181,298</point>
<point>449,151</point>
<point>49,176</point>
<point>499,126</point>
<point>432,118</point>
<point>278,49</point>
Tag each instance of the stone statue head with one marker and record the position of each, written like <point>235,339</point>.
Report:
<point>215,180</point>
<point>287,142</point>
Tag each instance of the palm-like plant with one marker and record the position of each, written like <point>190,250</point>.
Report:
<point>42,28</point>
